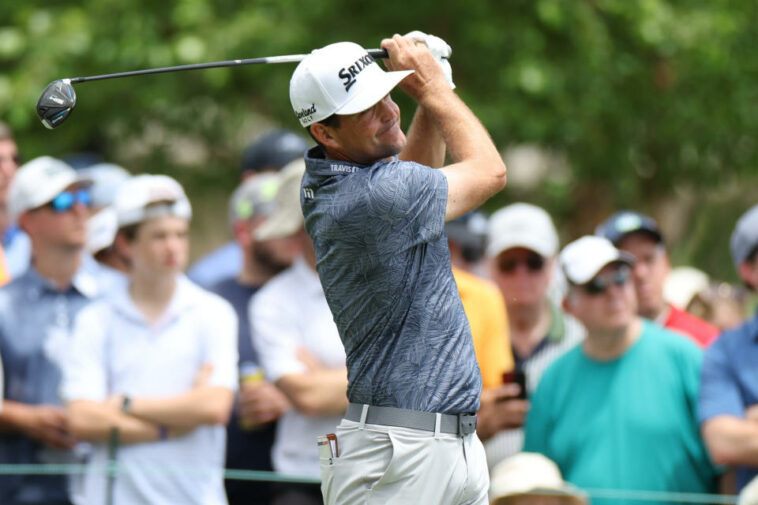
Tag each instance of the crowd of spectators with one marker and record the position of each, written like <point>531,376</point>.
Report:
<point>601,369</point>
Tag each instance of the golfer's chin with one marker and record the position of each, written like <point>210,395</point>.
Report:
<point>392,143</point>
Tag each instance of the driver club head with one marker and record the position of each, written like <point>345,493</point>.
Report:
<point>56,103</point>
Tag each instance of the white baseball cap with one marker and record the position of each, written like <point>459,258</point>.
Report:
<point>522,225</point>
<point>530,473</point>
<point>38,182</point>
<point>101,230</point>
<point>341,78</point>
<point>287,216</point>
<point>583,258</point>
<point>139,199</point>
<point>106,178</point>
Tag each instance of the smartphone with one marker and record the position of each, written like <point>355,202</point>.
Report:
<point>519,377</point>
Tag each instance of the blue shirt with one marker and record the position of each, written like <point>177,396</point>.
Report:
<point>36,321</point>
<point>729,382</point>
<point>384,264</point>
<point>628,423</point>
<point>217,265</point>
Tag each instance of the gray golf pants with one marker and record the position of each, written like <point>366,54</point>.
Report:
<point>386,465</point>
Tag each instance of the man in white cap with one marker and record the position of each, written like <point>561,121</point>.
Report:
<point>375,210</point>
<point>299,347</point>
<point>619,410</point>
<point>51,204</point>
<point>153,367</point>
<point>729,390</point>
<point>522,244</point>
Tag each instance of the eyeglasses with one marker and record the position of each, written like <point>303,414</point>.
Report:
<point>600,284</point>
<point>534,262</point>
<point>67,199</point>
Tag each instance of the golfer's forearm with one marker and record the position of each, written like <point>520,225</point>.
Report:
<point>197,407</point>
<point>425,143</point>
<point>732,441</point>
<point>464,135</point>
<point>94,422</point>
<point>318,393</point>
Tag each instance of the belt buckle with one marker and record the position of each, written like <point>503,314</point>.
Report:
<point>466,424</point>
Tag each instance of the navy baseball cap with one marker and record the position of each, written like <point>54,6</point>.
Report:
<point>745,236</point>
<point>625,222</point>
<point>273,150</point>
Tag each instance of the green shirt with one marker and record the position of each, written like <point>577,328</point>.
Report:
<point>629,423</point>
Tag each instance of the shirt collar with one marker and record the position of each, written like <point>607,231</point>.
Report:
<point>182,300</point>
<point>316,164</point>
<point>83,282</point>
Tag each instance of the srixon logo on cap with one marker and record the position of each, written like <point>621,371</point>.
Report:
<point>348,74</point>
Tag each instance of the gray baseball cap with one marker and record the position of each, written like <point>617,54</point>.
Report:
<point>745,236</point>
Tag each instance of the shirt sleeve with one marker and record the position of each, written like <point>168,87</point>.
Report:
<point>274,333</point>
<point>222,352</point>
<point>408,200</point>
<point>719,391</point>
<point>83,367</point>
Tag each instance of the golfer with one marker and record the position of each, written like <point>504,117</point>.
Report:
<point>375,208</point>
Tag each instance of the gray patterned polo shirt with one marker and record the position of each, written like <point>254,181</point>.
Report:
<point>383,261</point>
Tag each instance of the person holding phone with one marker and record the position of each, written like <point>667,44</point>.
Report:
<point>522,244</point>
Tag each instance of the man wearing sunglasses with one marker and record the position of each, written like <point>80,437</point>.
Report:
<point>618,411</point>
<point>640,236</point>
<point>51,204</point>
<point>522,244</point>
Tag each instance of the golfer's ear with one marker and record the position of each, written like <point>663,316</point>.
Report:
<point>324,135</point>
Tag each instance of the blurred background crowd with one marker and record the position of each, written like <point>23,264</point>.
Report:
<point>628,124</point>
<point>592,355</point>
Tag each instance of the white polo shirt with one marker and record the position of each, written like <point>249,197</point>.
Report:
<point>290,312</point>
<point>115,351</point>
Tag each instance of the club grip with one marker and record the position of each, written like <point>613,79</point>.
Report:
<point>378,53</point>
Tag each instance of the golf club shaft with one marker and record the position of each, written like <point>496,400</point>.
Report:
<point>376,53</point>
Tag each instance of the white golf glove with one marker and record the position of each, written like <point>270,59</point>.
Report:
<point>439,49</point>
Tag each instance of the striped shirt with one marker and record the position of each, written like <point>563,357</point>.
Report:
<point>564,334</point>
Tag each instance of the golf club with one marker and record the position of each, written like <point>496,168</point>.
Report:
<point>58,99</point>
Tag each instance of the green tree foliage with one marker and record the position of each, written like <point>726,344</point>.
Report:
<point>640,97</point>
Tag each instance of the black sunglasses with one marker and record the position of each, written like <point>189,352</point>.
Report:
<point>534,262</point>
<point>600,284</point>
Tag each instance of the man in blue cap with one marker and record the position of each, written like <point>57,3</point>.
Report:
<point>640,236</point>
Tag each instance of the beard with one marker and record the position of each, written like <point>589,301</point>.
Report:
<point>268,262</point>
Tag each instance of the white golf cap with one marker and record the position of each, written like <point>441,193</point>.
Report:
<point>147,196</point>
<point>286,218</point>
<point>101,230</point>
<point>37,182</point>
<point>340,78</point>
<point>533,474</point>
<point>106,178</point>
<point>682,284</point>
<point>522,225</point>
<point>583,258</point>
